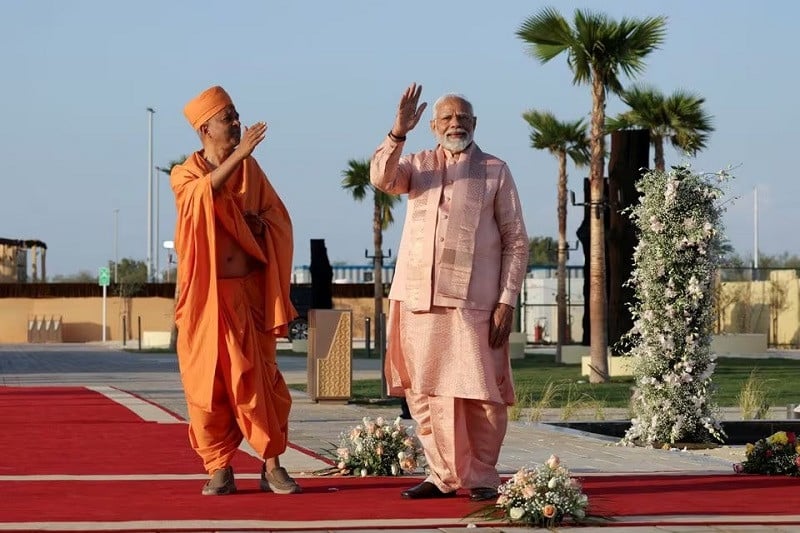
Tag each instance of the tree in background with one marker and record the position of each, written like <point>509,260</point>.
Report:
<point>679,117</point>
<point>598,50</point>
<point>131,279</point>
<point>130,272</point>
<point>82,276</point>
<point>562,139</point>
<point>356,180</point>
<point>543,251</point>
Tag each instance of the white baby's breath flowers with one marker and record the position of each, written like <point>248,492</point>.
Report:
<point>679,221</point>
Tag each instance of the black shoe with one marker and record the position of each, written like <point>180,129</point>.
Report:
<point>481,494</point>
<point>425,489</point>
<point>405,413</point>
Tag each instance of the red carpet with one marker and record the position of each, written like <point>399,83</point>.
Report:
<point>76,431</point>
<point>322,499</point>
<point>633,495</point>
<point>377,498</point>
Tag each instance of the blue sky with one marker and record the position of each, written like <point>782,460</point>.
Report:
<point>326,77</point>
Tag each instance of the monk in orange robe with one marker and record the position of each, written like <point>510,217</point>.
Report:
<point>233,238</point>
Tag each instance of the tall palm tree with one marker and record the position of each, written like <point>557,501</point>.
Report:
<point>561,139</point>
<point>599,50</point>
<point>173,335</point>
<point>679,117</point>
<point>356,180</point>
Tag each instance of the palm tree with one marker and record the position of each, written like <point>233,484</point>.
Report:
<point>680,117</point>
<point>599,50</point>
<point>356,179</point>
<point>173,335</point>
<point>561,139</point>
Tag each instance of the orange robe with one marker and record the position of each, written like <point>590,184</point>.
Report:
<point>227,328</point>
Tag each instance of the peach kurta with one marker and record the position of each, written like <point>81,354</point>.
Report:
<point>464,249</point>
<point>227,328</point>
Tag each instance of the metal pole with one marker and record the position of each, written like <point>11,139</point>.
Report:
<point>157,241</point>
<point>366,335</point>
<point>116,246</point>
<point>755,229</point>
<point>104,312</point>
<point>158,214</point>
<point>150,112</point>
<point>380,340</point>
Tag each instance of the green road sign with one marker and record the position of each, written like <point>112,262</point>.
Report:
<point>103,277</point>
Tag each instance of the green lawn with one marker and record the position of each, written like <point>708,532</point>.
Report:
<point>535,373</point>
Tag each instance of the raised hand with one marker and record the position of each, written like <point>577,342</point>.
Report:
<point>251,137</point>
<point>408,113</point>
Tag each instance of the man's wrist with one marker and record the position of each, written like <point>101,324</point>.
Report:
<point>396,138</point>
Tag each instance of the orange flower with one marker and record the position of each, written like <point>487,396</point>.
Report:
<point>549,510</point>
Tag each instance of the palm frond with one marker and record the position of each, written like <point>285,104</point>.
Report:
<point>547,33</point>
<point>679,116</point>
<point>356,178</point>
<point>634,40</point>
<point>549,133</point>
<point>386,203</point>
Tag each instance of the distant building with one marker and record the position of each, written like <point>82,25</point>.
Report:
<point>538,308</point>
<point>14,260</point>
<point>345,274</point>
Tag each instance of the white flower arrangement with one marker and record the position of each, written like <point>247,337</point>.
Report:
<point>541,496</point>
<point>680,237</point>
<point>378,448</point>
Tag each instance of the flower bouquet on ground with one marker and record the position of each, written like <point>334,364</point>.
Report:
<point>377,448</point>
<point>541,496</point>
<point>778,454</point>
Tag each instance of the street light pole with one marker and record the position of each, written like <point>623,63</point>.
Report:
<point>150,113</point>
<point>158,210</point>
<point>157,231</point>
<point>116,248</point>
<point>755,230</point>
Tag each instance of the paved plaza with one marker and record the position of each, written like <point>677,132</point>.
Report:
<point>315,426</point>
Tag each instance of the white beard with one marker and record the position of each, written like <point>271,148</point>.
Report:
<point>454,145</point>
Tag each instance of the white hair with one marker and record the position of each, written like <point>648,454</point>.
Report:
<point>451,96</point>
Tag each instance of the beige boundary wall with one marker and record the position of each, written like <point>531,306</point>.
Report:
<point>82,317</point>
<point>767,308</point>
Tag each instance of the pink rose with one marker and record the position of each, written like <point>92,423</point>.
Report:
<point>797,461</point>
<point>549,510</point>
<point>738,468</point>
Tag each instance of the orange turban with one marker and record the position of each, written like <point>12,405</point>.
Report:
<point>205,105</point>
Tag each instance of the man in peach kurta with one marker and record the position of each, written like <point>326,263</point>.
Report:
<point>233,239</point>
<point>463,256</point>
